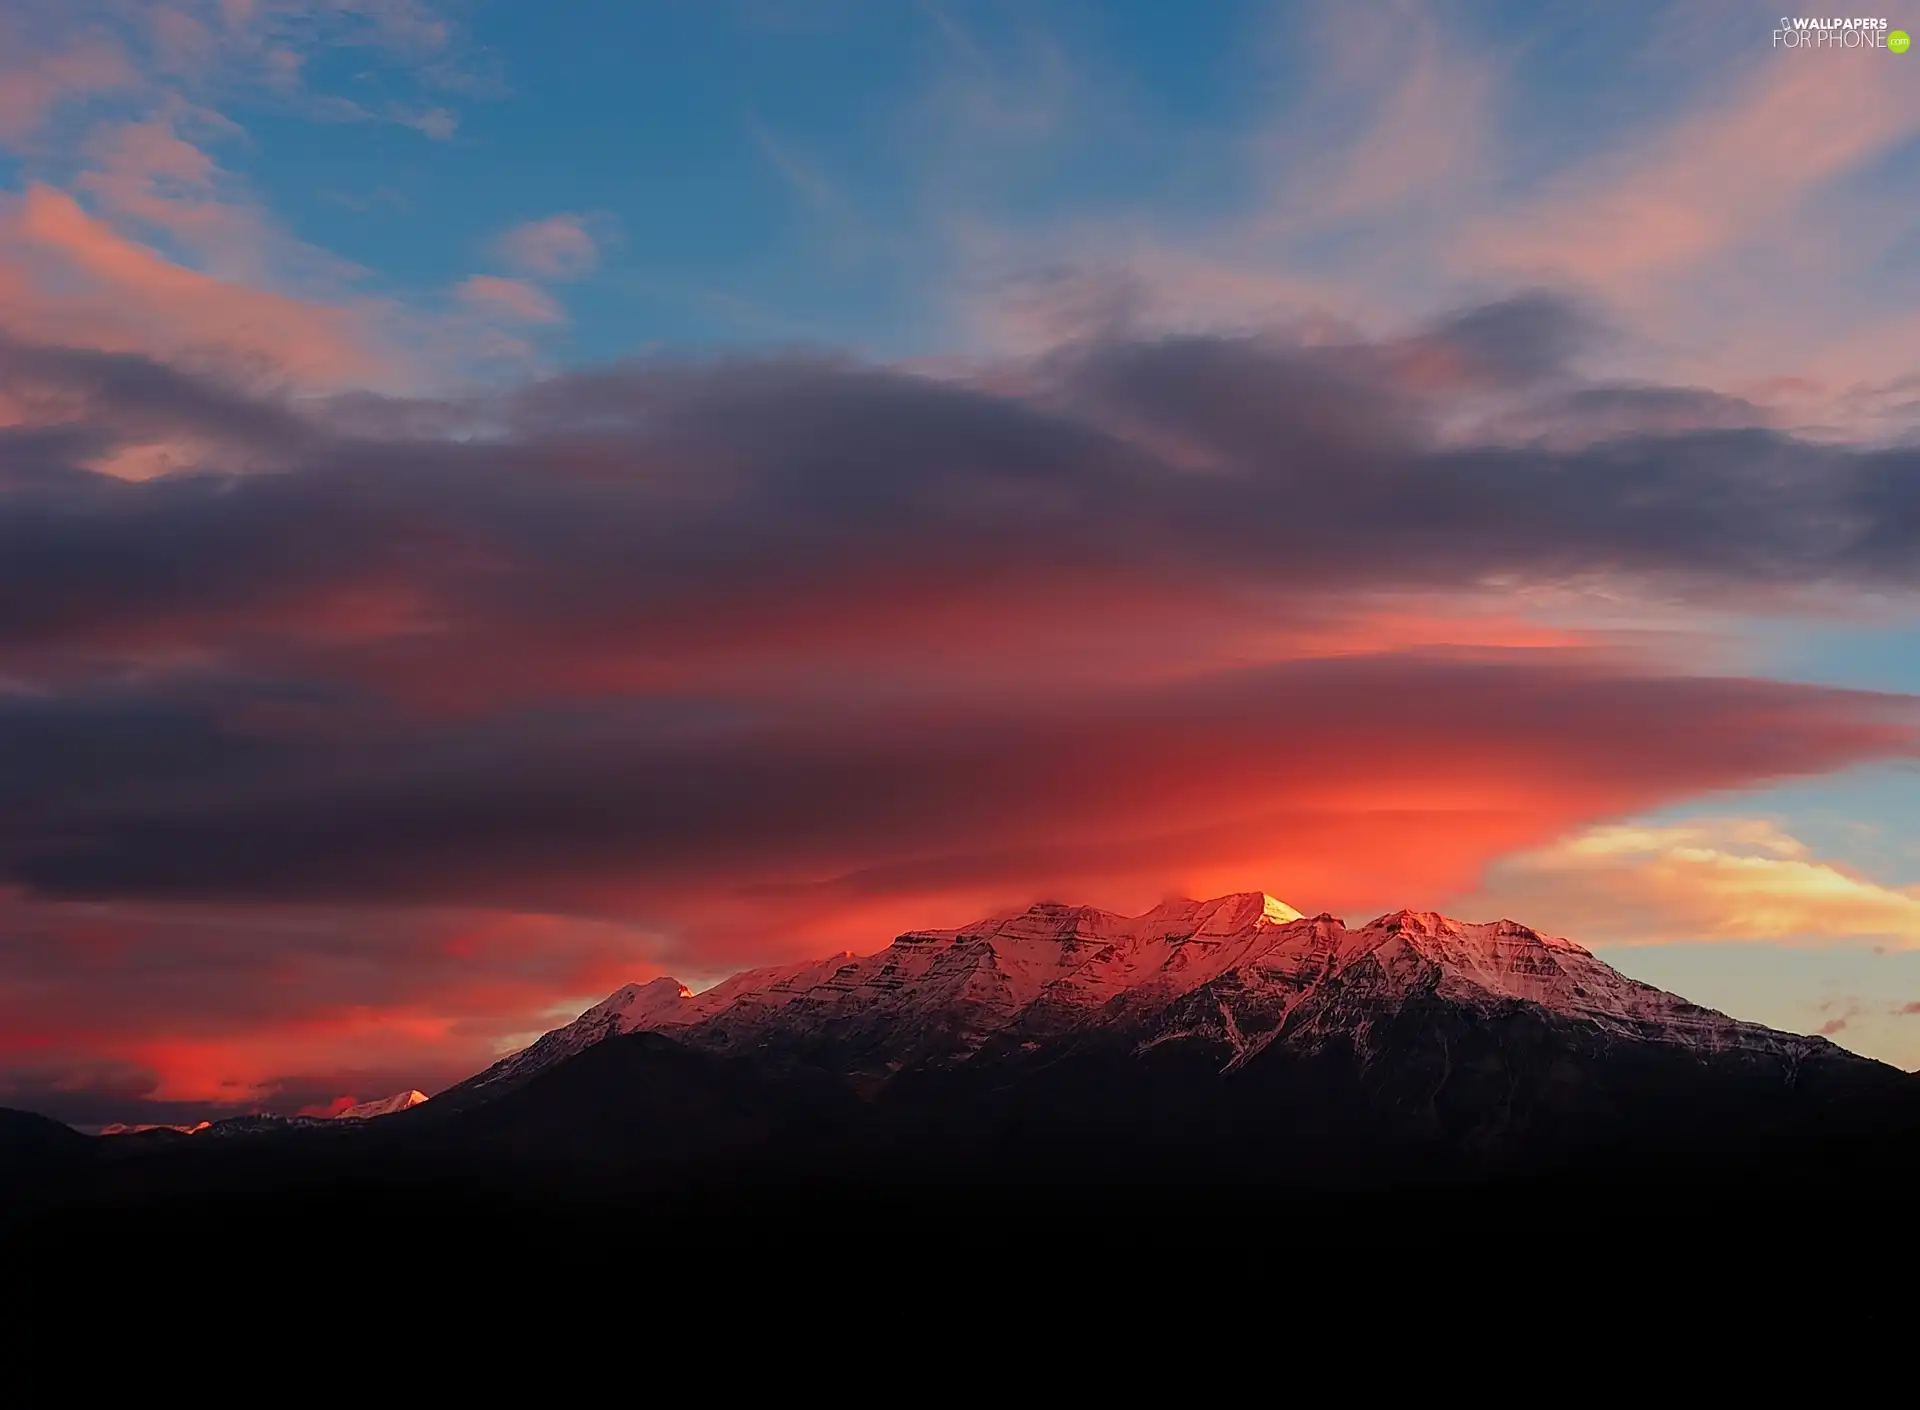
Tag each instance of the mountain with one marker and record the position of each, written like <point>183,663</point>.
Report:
<point>256,1123</point>
<point>26,1135</point>
<point>37,1148</point>
<point>1232,977</point>
<point>1223,1040</point>
<point>259,1123</point>
<point>1302,1080</point>
<point>386,1106</point>
<point>630,1009</point>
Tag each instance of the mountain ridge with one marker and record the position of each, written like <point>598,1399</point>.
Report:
<point>1064,1062</point>
<point>1239,972</point>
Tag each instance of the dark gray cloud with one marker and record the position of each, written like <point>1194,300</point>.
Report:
<point>1527,338</point>
<point>121,395</point>
<point>133,798</point>
<point>678,499</point>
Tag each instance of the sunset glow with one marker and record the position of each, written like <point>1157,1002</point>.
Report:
<point>494,508</point>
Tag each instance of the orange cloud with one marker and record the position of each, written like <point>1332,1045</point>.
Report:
<point>1729,879</point>
<point>1351,784</point>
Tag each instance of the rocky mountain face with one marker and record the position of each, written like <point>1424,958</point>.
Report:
<point>1225,980</point>
<point>258,1123</point>
<point>1232,1036</point>
<point>1064,1058</point>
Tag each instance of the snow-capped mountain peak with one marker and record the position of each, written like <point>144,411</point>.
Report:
<point>657,1003</point>
<point>1231,913</point>
<point>386,1106</point>
<point>1243,970</point>
<point>637,1005</point>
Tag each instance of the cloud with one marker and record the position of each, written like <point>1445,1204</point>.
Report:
<point>1717,179</point>
<point>637,800</point>
<point>558,247</point>
<point>1400,117</point>
<point>1410,155</point>
<point>438,123</point>
<point>1363,126</point>
<point>513,298</point>
<point>126,232</point>
<point>148,171</point>
<point>711,594</point>
<point>157,178</point>
<point>664,651</point>
<point>1613,412</point>
<point>68,277</point>
<point>238,906</point>
<point>342,734</point>
<point>1849,1009</point>
<point>33,82</point>
<point>215,49</point>
<point>1729,879</point>
<point>172,1013</point>
<point>105,400</point>
<point>1176,499</point>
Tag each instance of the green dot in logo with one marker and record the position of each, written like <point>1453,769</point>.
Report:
<point>1897,41</point>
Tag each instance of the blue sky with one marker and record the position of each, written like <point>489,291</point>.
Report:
<point>807,173</point>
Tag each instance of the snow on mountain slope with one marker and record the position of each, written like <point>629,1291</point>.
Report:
<point>626,1010</point>
<point>386,1106</point>
<point>1243,970</point>
<point>1321,981</point>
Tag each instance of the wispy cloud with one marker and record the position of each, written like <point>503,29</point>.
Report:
<point>554,247</point>
<point>1716,179</point>
<point>1734,879</point>
<point>131,235</point>
<point>515,298</point>
<point>70,277</point>
<point>1734,240</point>
<point>34,81</point>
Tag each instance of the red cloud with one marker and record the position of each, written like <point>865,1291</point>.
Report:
<point>1344,784</point>
<point>197,1011</point>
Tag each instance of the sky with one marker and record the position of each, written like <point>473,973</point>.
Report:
<point>498,502</point>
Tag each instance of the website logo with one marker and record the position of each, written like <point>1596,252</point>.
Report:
<point>1856,33</point>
